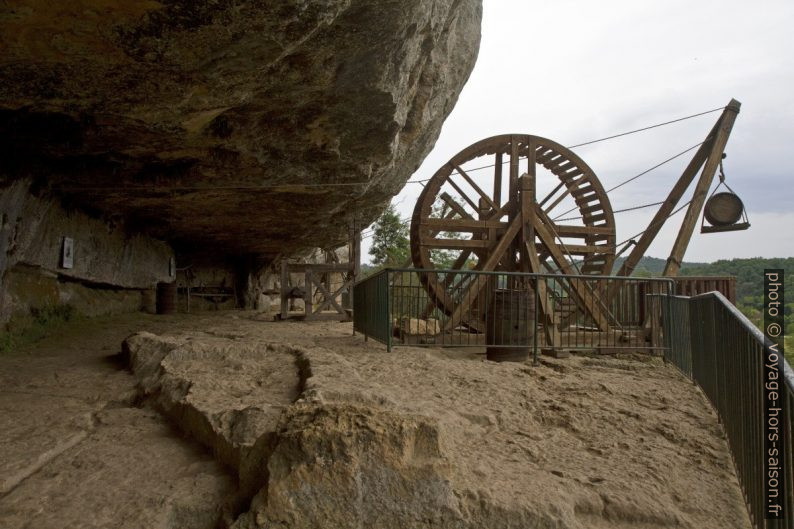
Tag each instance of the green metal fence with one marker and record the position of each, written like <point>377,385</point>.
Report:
<point>510,313</point>
<point>724,353</point>
<point>371,307</point>
<point>705,336</point>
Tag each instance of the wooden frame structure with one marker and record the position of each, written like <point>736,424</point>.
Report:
<point>317,280</point>
<point>504,227</point>
<point>512,230</point>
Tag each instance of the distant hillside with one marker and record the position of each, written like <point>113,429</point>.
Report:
<point>749,272</point>
<point>749,275</point>
<point>650,266</point>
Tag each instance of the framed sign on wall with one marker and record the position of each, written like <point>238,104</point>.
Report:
<point>67,253</point>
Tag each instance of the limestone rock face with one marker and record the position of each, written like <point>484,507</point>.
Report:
<point>216,122</point>
<point>32,231</point>
<point>328,431</point>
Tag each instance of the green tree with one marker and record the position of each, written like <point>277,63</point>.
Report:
<point>390,245</point>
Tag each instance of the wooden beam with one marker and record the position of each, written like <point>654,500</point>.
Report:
<point>580,288</point>
<point>670,202</point>
<point>284,289</point>
<point>466,225</point>
<point>552,193</point>
<point>461,193</point>
<point>564,230</point>
<point>457,208</point>
<point>328,298</point>
<point>320,267</point>
<point>455,244</point>
<point>513,166</point>
<point>531,255</point>
<point>512,263</point>
<point>528,217</point>
<point>701,189</point>
<point>481,280</point>
<point>474,186</point>
<point>546,304</point>
<point>582,249</point>
<point>497,179</point>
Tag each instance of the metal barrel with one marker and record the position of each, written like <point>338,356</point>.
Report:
<point>723,209</point>
<point>166,298</point>
<point>510,325</point>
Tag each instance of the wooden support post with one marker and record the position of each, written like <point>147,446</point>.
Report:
<point>701,190</point>
<point>473,291</point>
<point>545,305</point>
<point>511,263</point>
<point>580,289</point>
<point>497,179</point>
<point>285,290</point>
<point>528,217</point>
<point>308,288</point>
<point>354,253</point>
<point>353,259</point>
<point>454,206</point>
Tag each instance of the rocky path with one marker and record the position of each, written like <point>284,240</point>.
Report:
<point>78,452</point>
<point>318,428</point>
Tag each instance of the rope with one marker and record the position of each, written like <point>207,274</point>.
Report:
<point>629,240</point>
<point>652,224</point>
<point>619,210</point>
<point>647,128</point>
<point>621,184</point>
<point>601,139</point>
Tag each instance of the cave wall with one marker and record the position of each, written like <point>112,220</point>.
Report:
<point>244,130</point>
<point>113,270</point>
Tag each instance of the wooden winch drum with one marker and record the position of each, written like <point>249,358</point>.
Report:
<point>723,209</point>
<point>166,298</point>
<point>510,321</point>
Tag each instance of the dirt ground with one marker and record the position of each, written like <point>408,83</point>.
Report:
<point>581,442</point>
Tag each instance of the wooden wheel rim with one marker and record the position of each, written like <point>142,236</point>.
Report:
<point>575,179</point>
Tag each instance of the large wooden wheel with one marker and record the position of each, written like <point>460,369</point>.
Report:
<point>481,211</point>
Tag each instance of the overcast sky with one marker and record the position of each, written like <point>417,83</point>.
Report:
<point>573,71</point>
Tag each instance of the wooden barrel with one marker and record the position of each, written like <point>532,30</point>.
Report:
<point>510,321</point>
<point>149,300</point>
<point>166,298</point>
<point>723,209</point>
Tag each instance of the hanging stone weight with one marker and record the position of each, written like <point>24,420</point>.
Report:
<point>723,209</point>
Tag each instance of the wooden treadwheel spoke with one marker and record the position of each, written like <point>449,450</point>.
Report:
<point>499,225</point>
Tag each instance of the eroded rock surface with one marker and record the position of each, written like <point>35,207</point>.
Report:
<point>77,453</point>
<point>226,394</point>
<point>180,116</point>
<point>423,438</point>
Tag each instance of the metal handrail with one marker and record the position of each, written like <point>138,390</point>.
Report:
<point>749,326</point>
<point>724,353</point>
<point>483,319</point>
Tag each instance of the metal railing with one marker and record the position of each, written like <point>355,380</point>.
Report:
<point>371,307</point>
<point>510,313</point>
<point>705,336</point>
<point>724,353</point>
